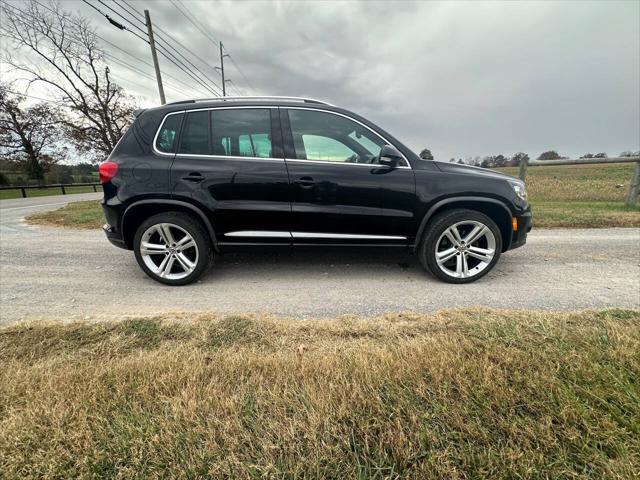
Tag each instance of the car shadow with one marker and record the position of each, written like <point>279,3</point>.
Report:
<point>355,261</point>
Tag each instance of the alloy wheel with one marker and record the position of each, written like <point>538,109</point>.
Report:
<point>169,251</point>
<point>465,249</point>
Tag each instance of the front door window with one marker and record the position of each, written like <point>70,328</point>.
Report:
<point>326,137</point>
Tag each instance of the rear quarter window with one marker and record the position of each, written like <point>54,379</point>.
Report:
<point>168,135</point>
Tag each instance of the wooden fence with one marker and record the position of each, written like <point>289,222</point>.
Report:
<point>62,186</point>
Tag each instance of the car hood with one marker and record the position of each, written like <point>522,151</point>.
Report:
<point>469,170</point>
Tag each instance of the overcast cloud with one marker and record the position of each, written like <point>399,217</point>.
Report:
<point>461,78</point>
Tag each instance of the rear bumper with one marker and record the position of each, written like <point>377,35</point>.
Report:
<point>114,236</point>
<point>525,224</point>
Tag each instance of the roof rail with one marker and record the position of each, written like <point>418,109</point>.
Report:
<point>261,98</point>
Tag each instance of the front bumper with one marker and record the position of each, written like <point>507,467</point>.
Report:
<point>525,224</point>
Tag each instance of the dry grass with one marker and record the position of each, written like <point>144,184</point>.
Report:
<point>577,183</point>
<point>580,196</point>
<point>458,394</point>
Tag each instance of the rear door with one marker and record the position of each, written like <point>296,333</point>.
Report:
<point>230,160</point>
<point>340,193</point>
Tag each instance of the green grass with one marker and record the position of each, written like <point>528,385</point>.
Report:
<point>87,214</point>
<point>43,192</point>
<point>474,393</point>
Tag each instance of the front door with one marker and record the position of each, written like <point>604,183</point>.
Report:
<point>340,193</point>
<point>230,161</point>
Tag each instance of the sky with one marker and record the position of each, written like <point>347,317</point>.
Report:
<point>462,78</point>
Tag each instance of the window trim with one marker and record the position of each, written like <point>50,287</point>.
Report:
<point>231,157</point>
<point>369,165</point>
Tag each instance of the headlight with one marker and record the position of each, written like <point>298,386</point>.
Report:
<point>518,187</point>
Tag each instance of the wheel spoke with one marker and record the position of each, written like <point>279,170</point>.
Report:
<point>446,255</point>
<point>165,267</point>
<point>483,254</point>
<point>475,234</point>
<point>186,264</point>
<point>465,265</point>
<point>186,242</point>
<point>165,233</point>
<point>152,249</point>
<point>453,235</point>
<point>459,266</point>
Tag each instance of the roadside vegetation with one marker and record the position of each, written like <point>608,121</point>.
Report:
<point>456,394</point>
<point>582,196</point>
<point>87,214</point>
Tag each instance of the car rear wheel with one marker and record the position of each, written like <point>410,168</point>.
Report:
<point>173,248</point>
<point>461,246</point>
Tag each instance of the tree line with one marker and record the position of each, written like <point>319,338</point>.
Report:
<point>87,113</point>
<point>496,161</point>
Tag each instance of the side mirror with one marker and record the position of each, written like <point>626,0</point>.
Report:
<point>390,156</point>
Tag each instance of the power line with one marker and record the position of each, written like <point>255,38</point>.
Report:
<point>146,74</point>
<point>172,58</point>
<point>161,41</point>
<point>169,56</point>
<point>125,19</point>
<point>241,72</point>
<point>78,42</point>
<point>211,38</point>
<point>195,23</point>
<point>175,60</point>
<point>129,10</point>
<point>113,22</point>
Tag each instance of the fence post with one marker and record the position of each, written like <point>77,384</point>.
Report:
<point>24,192</point>
<point>63,190</point>
<point>632,196</point>
<point>94,187</point>
<point>524,163</point>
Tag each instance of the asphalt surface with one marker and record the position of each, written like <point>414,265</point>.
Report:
<point>62,274</point>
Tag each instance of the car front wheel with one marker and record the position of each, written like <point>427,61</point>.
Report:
<point>461,246</point>
<point>173,248</point>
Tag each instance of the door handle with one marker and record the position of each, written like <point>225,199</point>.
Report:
<point>305,182</point>
<point>193,177</point>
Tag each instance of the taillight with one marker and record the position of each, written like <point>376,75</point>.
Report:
<point>107,171</point>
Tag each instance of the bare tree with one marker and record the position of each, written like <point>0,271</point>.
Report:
<point>29,135</point>
<point>63,53</point>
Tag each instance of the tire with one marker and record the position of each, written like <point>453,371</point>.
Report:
<point>181,260</point>
<point>444,254</point>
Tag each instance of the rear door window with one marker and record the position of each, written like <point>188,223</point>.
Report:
<point>242,132</point>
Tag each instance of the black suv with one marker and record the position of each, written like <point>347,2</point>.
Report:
<point>192,179</point>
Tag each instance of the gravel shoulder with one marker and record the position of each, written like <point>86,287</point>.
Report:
<point>64,273</point>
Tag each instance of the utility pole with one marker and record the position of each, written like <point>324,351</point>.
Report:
<point>224,83</point>
<point>152,43</point>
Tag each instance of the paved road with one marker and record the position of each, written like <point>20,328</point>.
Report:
<point>60,273</point>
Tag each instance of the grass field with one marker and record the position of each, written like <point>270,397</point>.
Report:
<point>43,192</point>
<point>580,195</point>
<point>564,196</point>
<point>458,394</point>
